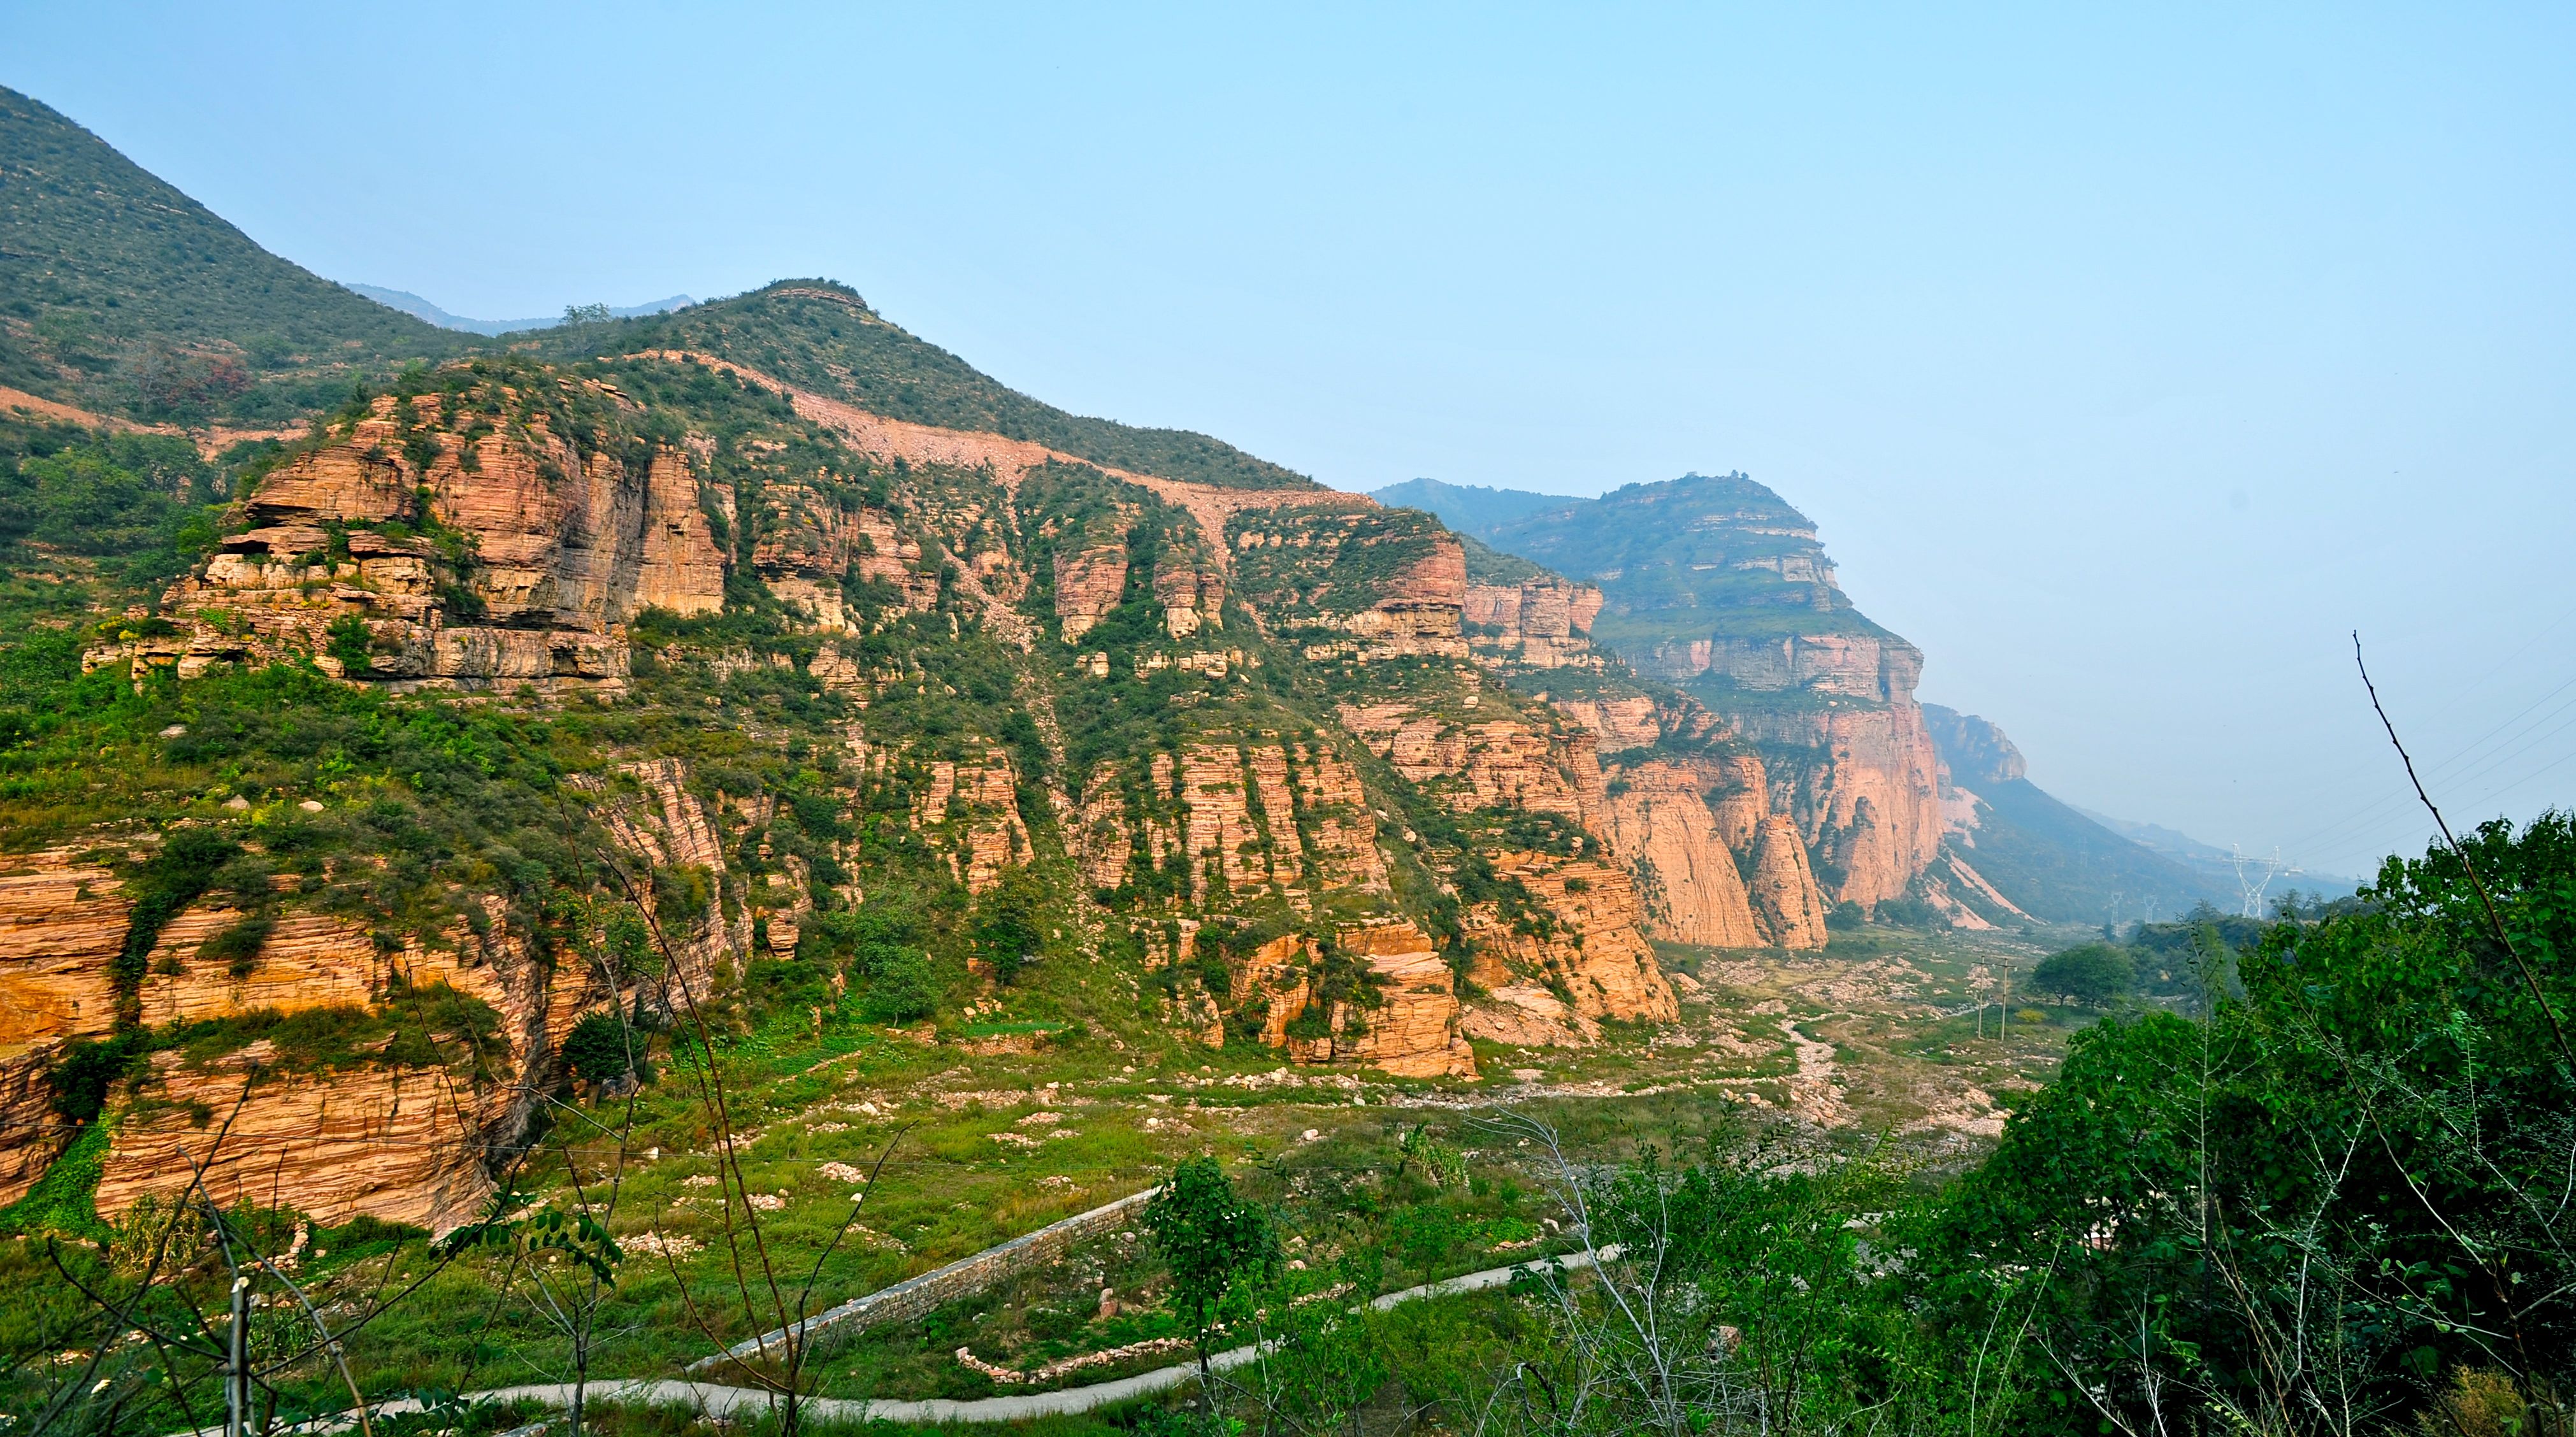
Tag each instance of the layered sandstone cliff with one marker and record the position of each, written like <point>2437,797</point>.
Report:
<point>1407,1026</point>
<point>1541,623</point>
<point>1266,814</point>
<point>464,558</point>
<point>1589,942</point>
<point>333,1135</point>
<point>1714,584</point>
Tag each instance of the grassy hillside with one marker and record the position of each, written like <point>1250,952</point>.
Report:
<point>1489,565</point>
<point>121,294</point>
<point>822,336</point>
<point>118,292</point>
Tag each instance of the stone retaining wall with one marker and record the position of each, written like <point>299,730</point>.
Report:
<point>913,1297</point>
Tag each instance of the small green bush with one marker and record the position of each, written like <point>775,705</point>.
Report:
<point>237,946</point>
<point>599,1048</point>
<point>81,1077</point>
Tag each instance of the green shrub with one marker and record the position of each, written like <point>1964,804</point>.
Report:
<point>163,887</point>
<point>682,894</point>
<point>904,989</point>
<point>2091,976</point>
<point>352,643</point>
<point>600,1047</point>
<point>80,1078</point>
<point>1008,928</point>
<point>237,946</point>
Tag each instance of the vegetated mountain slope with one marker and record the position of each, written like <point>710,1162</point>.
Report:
<point>119,293</point>
<point>2051,861</point>
<point>1468,508</point>
<point>1489,565</point>
<point>1718,585</point>
<point>1690,559</point>
<point>419,308</point>
<point>822,337</point>
<point>660,626</point>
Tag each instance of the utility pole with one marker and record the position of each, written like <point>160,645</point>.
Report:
<point>237,1362</point>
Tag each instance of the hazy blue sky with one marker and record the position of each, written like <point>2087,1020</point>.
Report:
<point>2127,362</point>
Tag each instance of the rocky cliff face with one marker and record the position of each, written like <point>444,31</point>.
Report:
<point>1188,713</point>
<point>1661,822</point>
<point>331,1134</point>
<point>1409,1025</point>
<point>1975,750</point>
<point>1716,585</point>
<point>425,545</point>
<point>1862,787</point>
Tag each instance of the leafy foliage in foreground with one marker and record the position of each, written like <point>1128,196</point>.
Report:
<point>2311,1211</point>
<point>2334,1205</point>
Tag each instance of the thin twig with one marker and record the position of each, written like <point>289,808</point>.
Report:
<point>2493,922</point>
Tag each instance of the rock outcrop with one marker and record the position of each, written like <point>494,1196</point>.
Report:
<point>1540,623</point>
<point>1703,841</point>
<point>1408,1029</point>
<point>1266,814</point>
<point>1662,827</point>
<point>389,1142</point>
<point>1479,764</point>
<point>1862,785</point>
<point>1714,584</point>
<point>1088,584</point>
<point>1590,943</point>
<point>335,1136</point>
<point>409,554</point>
<point>62,922</point>
<point>1783,890</point>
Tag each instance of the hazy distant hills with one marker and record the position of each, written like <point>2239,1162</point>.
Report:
<point>2049,858</point>
<point>2214,863</point>
<point>1471,508</point>
<point>419,308</point>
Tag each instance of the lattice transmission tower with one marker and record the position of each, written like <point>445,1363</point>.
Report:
<point>2255,874</point>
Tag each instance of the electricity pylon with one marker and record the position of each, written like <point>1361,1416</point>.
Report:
<point>2248,864</point>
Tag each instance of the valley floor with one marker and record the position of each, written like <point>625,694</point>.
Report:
<point>1877,1039</point>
